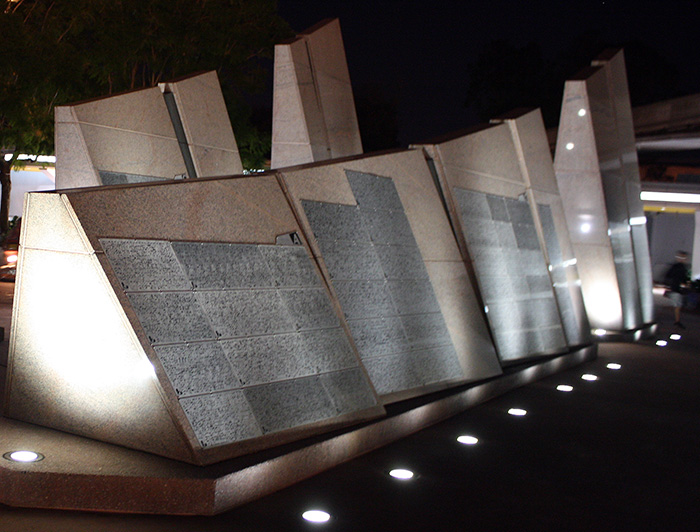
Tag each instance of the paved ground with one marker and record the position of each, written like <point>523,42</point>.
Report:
<point>619,453</point>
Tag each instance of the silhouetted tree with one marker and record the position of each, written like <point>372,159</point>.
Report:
<point>58,52</point>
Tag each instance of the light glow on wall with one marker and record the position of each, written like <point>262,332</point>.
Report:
<point>638,220</point>
<point>585,227</point>
<point>570,146</point>
<point>582,112</point>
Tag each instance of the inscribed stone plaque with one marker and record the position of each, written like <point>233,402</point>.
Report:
<point>246,312</point>
<point>374,192</point>
<point>383,286</point>
<point>263,359</point>
<point>348,390</point>
<point>197,368</point>
<point>350,260</point>
<point>216,266</point>
<point>288,404</point>
<point>514,279</point>
<point>145,265</point>
<point>220,418</point>
<point>335,222</point>
<point>171,317</point>
<point>290,266</point>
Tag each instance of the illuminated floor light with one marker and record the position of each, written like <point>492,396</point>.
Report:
<point>569,146</point>
<point>612,365</point>
<point>517,412</point>
<point>589,377</point>
<point>565,388</point>
<point>661,343</point>
<point>316,516</point>
<point>582,112</point>
<point>468,440</point>
<point>675,337</point>
<point>401,474</point>
<point>600,332</point>
<point>23,456</point>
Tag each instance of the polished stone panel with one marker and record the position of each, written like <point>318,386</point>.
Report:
<point>145,265</point>
<point>378,337</point>
<point>348,390</point>
<point>374,192</point>
<point>172,317</point>
<point>352,260</point>
<point>216,266</point>
<point>309,308</point>
<point>283,405</point>
<point>197,368</point>
<point>335,222</point>
<point>221,418</point>
<point>290,266</point>
<point>365,299</point>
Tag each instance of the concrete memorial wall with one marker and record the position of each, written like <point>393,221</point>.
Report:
<point>313,117</point>
<point>176,130</point>
<point>383,240</point>
<point>598,176</point>
<point>500,191</point>
<point>186,319</point>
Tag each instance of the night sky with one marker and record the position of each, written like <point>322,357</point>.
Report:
<point>419,52</point>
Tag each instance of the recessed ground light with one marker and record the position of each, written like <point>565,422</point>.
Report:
<point>612,365</point>
<point>600,332</point>
<point>582,112</point>
<point>517,412</point>
<point>565,388</point>
<point>569,145</point>
<point>589,377</point>
<point>401,474</point>
<point>675,337</point>
<point>23,456</point>
<point>468,440</point>
<point>661,343</point>
<point>316,516</point>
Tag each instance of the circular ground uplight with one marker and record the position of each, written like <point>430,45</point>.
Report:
<point>589,377</point>
<point>401,474</point>
<point>23,456</point>
<point>613,365</point>
<point>565,388</point>
<point>468,440</point>
<point>517,412</point>
<point>316,516</point>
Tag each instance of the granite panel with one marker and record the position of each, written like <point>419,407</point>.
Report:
<point>349,260</point>
<point>220,418</point>
<point>121,178</point>
<point>500,287</point>
<point>309,308</point>
<point>519,211</point>
<point>364,299</point>
<point>526,236</point>
<point>539,284</point>
<point>171,317</point>
<point>498,209</point>
<point>550,234</point>
<point>374,192</point>
<point>426,330</point>
<point>552,338</point>
<point>197,368</point>
<point>388,227</point>
<point>435,364</point>
<point>391,373</point>
<point>335,222</point>
<point>265,359</point>
<point>283,405</point>
<point>379,336</point>
<point>472,204</point>
<point>401,262</point>
<point>480,233</point>
<point>217,266</point>
<point>505,235</point>
<point>246,312</point>
<point>328,350</point>
<point>290,266</point>
<point>349,390</point>
<point>145,265</point>
<point>413,296</point>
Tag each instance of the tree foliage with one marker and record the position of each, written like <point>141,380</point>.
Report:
<point>58,52</point>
